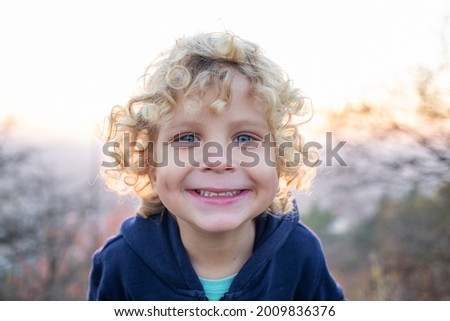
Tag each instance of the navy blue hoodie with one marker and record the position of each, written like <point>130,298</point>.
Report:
<point>147,261</point>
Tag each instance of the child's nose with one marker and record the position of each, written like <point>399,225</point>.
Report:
<point>217,157</point>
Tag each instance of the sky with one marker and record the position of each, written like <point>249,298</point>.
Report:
<point>64,64</point>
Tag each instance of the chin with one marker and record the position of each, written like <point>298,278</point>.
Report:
<point>221,225</point>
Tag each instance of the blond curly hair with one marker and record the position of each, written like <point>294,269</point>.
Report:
<point>188,69</point>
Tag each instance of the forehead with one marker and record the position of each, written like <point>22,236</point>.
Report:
<point>240,105</point>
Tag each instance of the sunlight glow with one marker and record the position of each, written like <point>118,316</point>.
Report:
<point>65,64</point>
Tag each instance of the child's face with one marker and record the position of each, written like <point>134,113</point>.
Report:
<point>212,192</point>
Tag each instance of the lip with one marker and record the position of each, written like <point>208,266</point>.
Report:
<point>215,189</point>
<point>219,200</point>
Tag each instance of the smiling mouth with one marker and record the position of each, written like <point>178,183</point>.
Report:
<point>206,193</point>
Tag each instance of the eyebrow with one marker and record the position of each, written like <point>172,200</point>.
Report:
<point>238,123</point>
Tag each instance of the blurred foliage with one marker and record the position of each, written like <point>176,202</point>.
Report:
<point>50,225</point>
<point>401,253</point>
<point>43,227</point>
<point>399,156</point>
<point>320,221</point>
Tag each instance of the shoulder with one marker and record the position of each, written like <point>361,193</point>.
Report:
<point>303,238</point>
<point>114,251</point>
<point>304,248</point>
<point>116,247</point>
<point>293,241</point>
<point>112,268</point>
<point>112,244</point>
<point>131,243</point>
<point>305,251</point>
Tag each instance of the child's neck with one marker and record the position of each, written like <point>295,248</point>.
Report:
<point>219,255</point>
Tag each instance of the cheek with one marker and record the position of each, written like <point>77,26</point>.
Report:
<point>170,174</point>
<point>271,179</point>
<point>264,171</point>
<point>260,159</point>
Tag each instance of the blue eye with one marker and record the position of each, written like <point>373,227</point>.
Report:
<point>243,138</point>
<point>189,138</point>
<point>185,140</point>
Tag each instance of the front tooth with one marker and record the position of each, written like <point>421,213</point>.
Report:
<point>213,194</point>
<point>207,193</point>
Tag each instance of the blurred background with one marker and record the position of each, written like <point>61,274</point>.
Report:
<point>377,72</point>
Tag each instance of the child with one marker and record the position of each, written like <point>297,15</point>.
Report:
<point>214,151</point>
